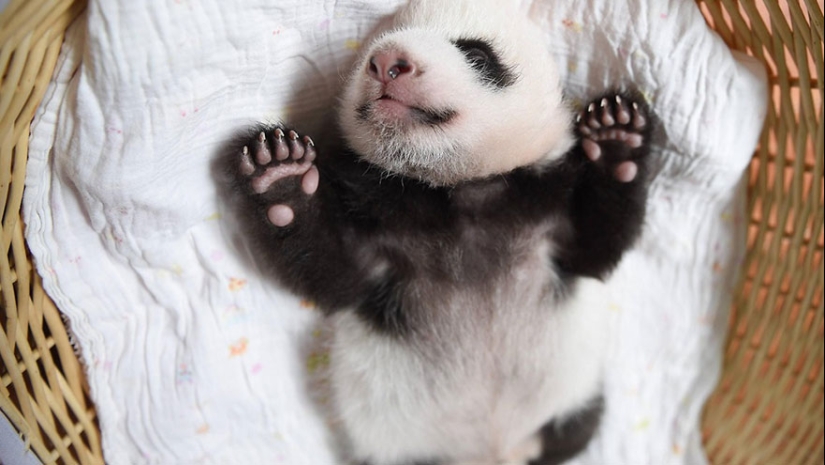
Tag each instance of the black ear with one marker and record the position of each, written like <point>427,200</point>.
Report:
<point>481,55</point>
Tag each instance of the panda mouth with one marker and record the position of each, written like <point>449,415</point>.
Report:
<point>394,108</point>
<point>390,102</point>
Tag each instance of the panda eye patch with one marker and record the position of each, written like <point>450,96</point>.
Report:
<point>477,56</point>
<point>481,56</point>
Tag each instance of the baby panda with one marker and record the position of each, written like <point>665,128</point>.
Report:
<point>457,236</point>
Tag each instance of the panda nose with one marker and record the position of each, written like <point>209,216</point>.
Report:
<point>388,66</point>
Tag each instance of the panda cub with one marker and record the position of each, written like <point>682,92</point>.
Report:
<point>457,237</point>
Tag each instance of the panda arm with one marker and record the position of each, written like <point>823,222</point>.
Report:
<point>607,202</point>
<point>292,204</point>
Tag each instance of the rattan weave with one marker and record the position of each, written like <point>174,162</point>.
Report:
<point>768,408</point>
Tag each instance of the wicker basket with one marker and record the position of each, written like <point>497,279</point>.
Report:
<point>768,408</point>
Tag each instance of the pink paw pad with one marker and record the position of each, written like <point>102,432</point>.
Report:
<point>612,120</point>
<point>273,156</point>
<point>280,215</point>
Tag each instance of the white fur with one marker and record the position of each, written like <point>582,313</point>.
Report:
<point>494,132</point>
<point>487,369</point>
<point>479,393</point>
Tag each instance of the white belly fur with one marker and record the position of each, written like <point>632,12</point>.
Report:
<point>476,388</point>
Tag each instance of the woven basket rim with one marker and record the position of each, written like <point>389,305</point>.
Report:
<point>768,407</point>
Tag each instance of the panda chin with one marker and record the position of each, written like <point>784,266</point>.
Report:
<point>404,156</point>
<point>389,112</point>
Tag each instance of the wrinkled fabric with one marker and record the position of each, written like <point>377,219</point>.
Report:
<point>193,356</point>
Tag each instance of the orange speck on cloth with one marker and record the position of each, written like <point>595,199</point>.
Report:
<point>239,348</point>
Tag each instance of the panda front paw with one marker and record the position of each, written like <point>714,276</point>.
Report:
<point>274,156</point>
<point>612,128</point>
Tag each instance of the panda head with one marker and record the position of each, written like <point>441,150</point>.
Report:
<point>455,91</point>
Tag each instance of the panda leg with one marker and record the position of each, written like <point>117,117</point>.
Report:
<point>563,440</point>
<point>608,202</point>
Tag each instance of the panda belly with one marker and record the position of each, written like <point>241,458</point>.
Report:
<point>474,385</point>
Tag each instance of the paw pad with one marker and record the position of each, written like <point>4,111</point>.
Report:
<point>613,119</point>
<point>273,156</point>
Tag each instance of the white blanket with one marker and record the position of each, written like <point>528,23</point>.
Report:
<point>193,357</point>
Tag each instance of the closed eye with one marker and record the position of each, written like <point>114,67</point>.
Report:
<point>481,56</point>
<point>477,57</point>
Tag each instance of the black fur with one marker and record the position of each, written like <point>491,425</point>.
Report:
<point>365,237</point>
<point>607,215</point>
<point>383,306</point>
<point>481,55</point>
<point>563,440</point>
<point>434,117</point>
<point>428,116</point>
<point>360,218</point>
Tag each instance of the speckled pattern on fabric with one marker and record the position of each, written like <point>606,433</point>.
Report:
<point>193,357</point>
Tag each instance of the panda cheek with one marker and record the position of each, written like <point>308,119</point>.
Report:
<point>361,113</point>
